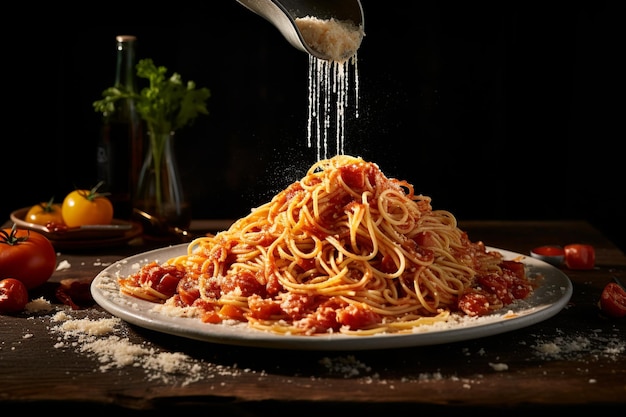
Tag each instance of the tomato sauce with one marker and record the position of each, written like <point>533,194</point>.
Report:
<point>493,291</point>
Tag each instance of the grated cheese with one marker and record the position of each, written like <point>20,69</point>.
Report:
<point>499,366</point>
<point>104,339</point>
<point>38,305</point>
<point>581,346</point>
<point>338,40</point>
<point>64,264</point>
<point>349,366</point>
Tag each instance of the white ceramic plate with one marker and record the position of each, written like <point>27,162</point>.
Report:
<point>546,301</point>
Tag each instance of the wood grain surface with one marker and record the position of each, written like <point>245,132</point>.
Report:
<point>575,360</point>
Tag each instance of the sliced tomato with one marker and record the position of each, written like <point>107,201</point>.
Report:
<point>613,300</point>
<point>579,256</point>
<point>474,304</point>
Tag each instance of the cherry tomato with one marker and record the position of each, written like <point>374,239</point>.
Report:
<point>579,256</point>
<point>45,213</point>
<point>85,207</point>
<point>13,295</point>
<point>613,300</point>
<point>27,256</point>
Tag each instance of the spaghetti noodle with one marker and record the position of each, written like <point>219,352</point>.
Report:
<point>345,249</point>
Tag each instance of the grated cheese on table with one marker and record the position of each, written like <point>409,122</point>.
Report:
<point>572,346</point>
<point>38,305</point>
<point>104,340</point>
<point>64,264</point>
<point>499,366</point>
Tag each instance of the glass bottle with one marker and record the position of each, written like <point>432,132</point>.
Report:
<point>120,148</point>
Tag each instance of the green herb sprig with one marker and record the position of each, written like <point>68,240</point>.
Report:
<point>166,104</point>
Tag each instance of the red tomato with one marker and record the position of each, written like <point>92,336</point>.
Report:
<point>474,304</point>
<point>613,300</point>
<point>579,256</point>
<point>26,255</point>
<point>13,295</point>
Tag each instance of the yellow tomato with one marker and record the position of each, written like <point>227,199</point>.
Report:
<point>45,213</point>
<point>86,207</point>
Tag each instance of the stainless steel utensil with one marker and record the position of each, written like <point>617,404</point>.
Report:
<point>152,224</point>
<point>283,15</point>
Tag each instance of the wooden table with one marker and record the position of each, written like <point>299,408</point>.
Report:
<point>575,360</point>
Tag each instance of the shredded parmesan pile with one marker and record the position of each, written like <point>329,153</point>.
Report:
<point>104,340</point>
<point>338,40</point>
<point>38,305</point>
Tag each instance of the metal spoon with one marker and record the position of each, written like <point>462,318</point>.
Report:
<point>283,15</point>
<point>156,225</point>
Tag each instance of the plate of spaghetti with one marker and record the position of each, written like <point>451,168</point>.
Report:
<point>343,259</point>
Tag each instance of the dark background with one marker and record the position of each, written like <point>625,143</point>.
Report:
<point>496,113</point>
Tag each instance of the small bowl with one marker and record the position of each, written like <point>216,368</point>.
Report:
<point>552,254</point>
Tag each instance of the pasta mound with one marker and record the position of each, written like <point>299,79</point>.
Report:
<point>345,249</point>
